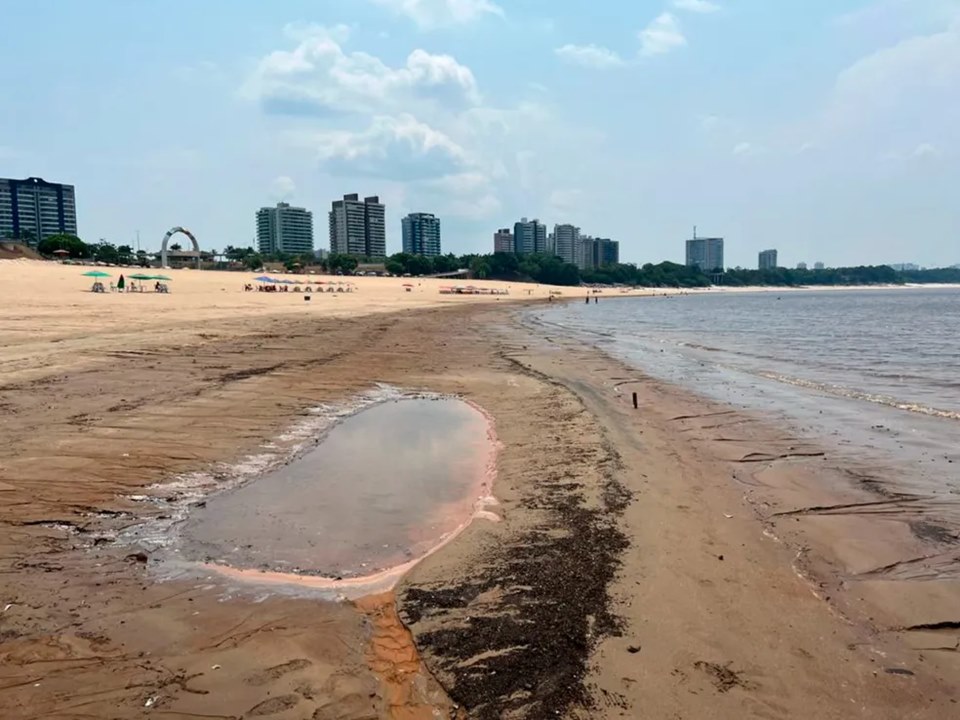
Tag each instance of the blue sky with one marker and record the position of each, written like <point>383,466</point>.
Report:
<point>829,129</point>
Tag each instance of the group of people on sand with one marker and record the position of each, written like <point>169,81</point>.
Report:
<point>288,288</point>
<point>274,288</point>
<point>123,286</point>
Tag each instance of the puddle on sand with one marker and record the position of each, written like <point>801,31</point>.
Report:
<point>383,488</point>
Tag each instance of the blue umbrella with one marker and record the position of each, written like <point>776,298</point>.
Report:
<point>264,279</point>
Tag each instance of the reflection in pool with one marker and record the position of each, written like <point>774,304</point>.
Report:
<point>384,487</point>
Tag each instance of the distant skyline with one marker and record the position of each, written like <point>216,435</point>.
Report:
<point>829,129</point>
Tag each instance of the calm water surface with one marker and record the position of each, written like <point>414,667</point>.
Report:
<point>383,487</point>
<point>875,370</point>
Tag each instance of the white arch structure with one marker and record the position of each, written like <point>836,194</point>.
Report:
<point>166,239</point>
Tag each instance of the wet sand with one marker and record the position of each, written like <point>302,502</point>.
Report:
<point>642,565</point>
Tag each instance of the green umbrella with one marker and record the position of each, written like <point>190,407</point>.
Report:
<point>162,277</point>
<point>141,276</point>
<point>96,273</point>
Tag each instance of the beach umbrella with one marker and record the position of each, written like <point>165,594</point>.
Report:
<point>141,276</point>
<point>162,277</point>
<point>96,274</point>
<point>61,252</point>
<point>263,279</point>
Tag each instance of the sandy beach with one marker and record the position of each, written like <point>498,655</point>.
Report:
<point>679,560</point>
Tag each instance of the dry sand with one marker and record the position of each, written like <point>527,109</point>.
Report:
<point>47,303</point>
<point>640,569</point>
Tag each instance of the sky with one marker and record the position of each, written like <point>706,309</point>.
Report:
<point>827,129</point>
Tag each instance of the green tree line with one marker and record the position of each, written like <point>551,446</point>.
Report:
<point>102,251</point>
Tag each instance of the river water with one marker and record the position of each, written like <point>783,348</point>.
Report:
<point>874,371</point>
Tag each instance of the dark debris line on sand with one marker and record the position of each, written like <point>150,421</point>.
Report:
<point>527,655</point>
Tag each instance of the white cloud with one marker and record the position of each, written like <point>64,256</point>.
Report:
<point>546,25</point>
<point>882,16</point>
<point>592,56</point>
<point>470,195</point>
<point>435,13</point>
<point>283,187</point>
<point>661,36</point>
<point>743,149</point>
<point>710,123</point>
<point>420,127</point>
<point>319,77</point>
<point>696,6</point>
<point>399,148</point>
<point>888,78</point>
<point>565,201</point>
<point>925,150</point>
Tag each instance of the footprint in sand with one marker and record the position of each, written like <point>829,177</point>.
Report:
<point>273,706</point>
<point>278,671</point>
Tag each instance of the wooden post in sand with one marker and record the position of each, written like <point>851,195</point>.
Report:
<point>634,401</point>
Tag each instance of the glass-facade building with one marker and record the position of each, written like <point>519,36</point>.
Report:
<point>34,209</point>
<point>421,234</point>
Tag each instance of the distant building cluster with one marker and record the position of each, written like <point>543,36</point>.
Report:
<point>767,260</point>
<point>356,227</point>
<point>565,242</point>
<point>34,209</point>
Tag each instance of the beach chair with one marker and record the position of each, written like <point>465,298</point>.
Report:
<point>113,287</point>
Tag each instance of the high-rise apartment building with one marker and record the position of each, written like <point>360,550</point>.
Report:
<point>818,266</point>
<point>566,240</point>
<point>421,234</point>
<point>358,227</point>
<point>593,253</point>
<point>801,266</point>
<point>767,260</point>
<point>608,252</point>
<point>284,229</point>
<point>503,241</point>
<point>376,213</point>
<point>529,236</point>
<point>705,253</point>
<point>583,253</point>
<point>34,209</point>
